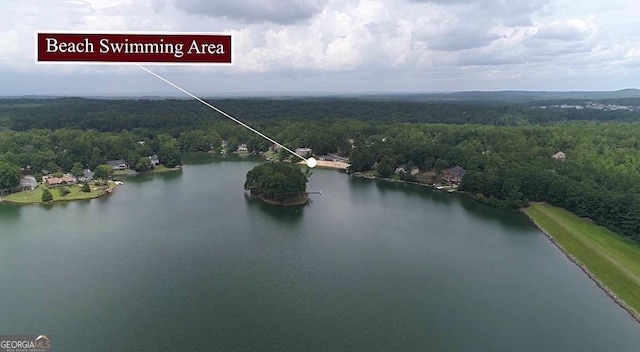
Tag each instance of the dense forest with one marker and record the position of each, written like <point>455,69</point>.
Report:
<point>282,183</point>
<point>506,148</point>
<point>174,114</point>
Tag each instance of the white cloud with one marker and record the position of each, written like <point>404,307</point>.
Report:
<point>352,44</point>
<point>249,11</point>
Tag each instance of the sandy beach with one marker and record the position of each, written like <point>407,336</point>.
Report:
<point>329,164</point>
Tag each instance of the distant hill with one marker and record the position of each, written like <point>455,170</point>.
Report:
<point>509,96</point>
<point>505,96</point>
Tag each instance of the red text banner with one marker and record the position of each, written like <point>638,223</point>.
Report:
<point>139,48</point>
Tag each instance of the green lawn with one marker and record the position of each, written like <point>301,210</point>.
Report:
<point>162,168</point>
<point>120,172</point>
<point>612,259</point>
<point>156,170</point>
<point>35,196</point>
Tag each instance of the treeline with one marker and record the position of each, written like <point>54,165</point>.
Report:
<point>511,166</point>
<point>175,115</point>
<point>507,166</point>
<point>60,150</point>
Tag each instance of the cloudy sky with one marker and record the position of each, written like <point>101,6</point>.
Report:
<point>341,46</point>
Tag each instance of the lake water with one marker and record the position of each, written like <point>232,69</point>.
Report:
<point>187,262</point>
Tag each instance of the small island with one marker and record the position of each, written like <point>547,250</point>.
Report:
<point>278,183</point>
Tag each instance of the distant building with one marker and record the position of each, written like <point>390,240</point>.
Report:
<point>65,180</point>
<point>334,158</point>
<point>87,176</point>
<point>407,170</point>
<point>275,148</point>
<point>454,175</point>
<point>242,148</point>
<point>117,164</point>
<point>303,151</point>
<point>559,155</point>
<point>401,168</point>
<point>154,160</point>
<point>28,183</point>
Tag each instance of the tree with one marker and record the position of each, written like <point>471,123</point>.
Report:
<point>142,164</point>
<point>63,191</point>
<point>103,172</point>
<point>169,151</point>
<point>86,188</point>
<point>384,169</point>
<point>77,169</point>
<point>52,167</point>
<point>9,175</point>
<point>46,195</point>
<point>361,159</point>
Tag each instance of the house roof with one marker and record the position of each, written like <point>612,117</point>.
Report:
<point>456,171</point>
<point>28,181</point>
<point>401,168</point>
<point>59,180</point>
<point>559,155</point>
<point>116,162</point>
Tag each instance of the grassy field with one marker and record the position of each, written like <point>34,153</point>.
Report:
<point>161,168</point>
<point>610,258</point>
<point>35,196</point>
<point>156,170</point>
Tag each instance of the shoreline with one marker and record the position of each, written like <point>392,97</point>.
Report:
<point>371,177</point>
<point>323,164</point>
<point>106,192</point>
<point>612,295</point>
<point>619,301</point>
<point>109,191</point>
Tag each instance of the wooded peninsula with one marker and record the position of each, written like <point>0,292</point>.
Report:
<point>581,152</point>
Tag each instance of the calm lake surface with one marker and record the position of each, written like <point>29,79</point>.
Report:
<point>187,262</point>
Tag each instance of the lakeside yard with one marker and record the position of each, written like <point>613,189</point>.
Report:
<point>75,193</point>
<point>156,170</point>
<point>613,261</point>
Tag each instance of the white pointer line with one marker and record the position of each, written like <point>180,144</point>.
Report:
<point>222,113</point>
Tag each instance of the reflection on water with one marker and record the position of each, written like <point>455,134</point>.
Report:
<point>510,219</point>
<point>368,266</point>
<point>9,213</point>
<point>208,158</point>
<point>286,214</point>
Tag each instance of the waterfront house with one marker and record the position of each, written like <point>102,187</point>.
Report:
<point>454,175</point>
<point>87,176</point>
<point>65,180</point>
<point>117,164</point>
<point>242,148</point>
<point>414,170</point>
<point>154,160</point>
<point>304,151</point>
<point>28,183</point>
<point>275,148</point>
<point>401,168</point>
